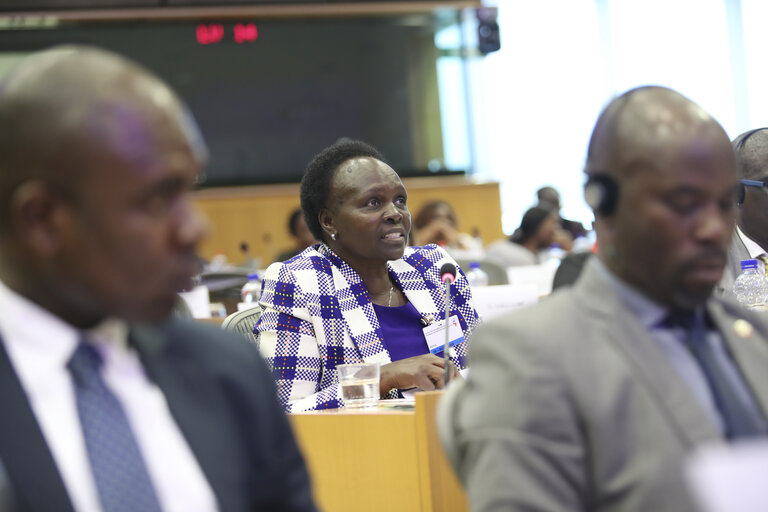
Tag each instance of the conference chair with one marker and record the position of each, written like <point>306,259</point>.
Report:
<point>496,273</point>
<point>243,322</point>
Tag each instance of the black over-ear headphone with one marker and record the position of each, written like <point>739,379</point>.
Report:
<point>741,191</point>
<point>601,192</point>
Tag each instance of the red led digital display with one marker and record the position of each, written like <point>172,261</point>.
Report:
<point>210,34</point>
<point>245,33</point>
<point>213,33</point>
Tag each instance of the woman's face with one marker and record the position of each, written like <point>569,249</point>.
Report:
<point>547,230</point>
<point>368,213</point>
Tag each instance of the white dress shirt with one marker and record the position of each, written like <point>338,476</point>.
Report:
<point>753,248</point>
<point>39,345</point>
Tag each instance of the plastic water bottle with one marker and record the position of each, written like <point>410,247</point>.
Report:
<point>251,290</point>
<point>476,276</point>
<point>751,287</point>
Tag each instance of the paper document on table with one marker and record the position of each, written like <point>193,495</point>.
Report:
<point>540,276</point>
<point>493,301</point>
<point>198,300</point>
<point>730,477</point>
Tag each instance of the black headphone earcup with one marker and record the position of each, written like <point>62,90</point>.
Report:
<point>601,193</point>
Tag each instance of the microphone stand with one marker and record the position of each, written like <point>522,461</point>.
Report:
<point>446,347</point>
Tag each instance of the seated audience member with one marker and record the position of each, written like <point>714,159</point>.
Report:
<point>750,239</point>
<point>297,226</point>
<point>536,232</point>
<point>107,402</point>
<point>593,399</point>
<point>361,294</point>
<point>548,197</point>
<point>436,224</point>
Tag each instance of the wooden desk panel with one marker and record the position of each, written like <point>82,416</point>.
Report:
<point>259,215</point>
<point>378,461</point>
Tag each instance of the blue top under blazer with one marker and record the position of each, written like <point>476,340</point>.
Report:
<point>317,314</point>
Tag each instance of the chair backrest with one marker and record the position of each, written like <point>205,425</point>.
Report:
<point>496,273</point>
<point>243,322</point>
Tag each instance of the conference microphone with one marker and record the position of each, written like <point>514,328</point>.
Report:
<point>447,276</point>
<point>448,272</point>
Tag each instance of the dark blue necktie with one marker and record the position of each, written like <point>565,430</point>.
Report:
<point>121,476</point>
<point>740,420</point>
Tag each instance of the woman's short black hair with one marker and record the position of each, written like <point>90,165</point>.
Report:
<point>532,220</point>
<point>316,183</point>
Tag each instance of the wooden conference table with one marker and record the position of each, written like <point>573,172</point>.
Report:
<point>382,459</point>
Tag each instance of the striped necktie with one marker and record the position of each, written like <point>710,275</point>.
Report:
<point>121,476</point>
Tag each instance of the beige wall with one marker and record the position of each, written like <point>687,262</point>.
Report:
<point>258,215</point>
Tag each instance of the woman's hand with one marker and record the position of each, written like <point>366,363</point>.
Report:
<point>426,372</point>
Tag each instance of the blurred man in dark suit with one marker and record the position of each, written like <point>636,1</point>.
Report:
<point>106,403</point>
<point>549,197</point>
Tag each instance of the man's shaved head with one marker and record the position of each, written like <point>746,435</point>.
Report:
<point>636,129</point>
<point>751,149</point>
<point>58,105</point>
<point>675,171</point>
<point>97,158</point>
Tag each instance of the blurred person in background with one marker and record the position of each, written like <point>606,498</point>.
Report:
<point>361,294</point>
<point>536,233</point>
<point>435,223</point>
<point>549,197</point>
<point>750,238</point>
<point>298,229</point>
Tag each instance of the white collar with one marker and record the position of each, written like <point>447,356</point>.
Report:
<point>32,333</point>
<point>753,248</point>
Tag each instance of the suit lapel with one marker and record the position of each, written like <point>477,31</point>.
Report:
<point>749,351</point>
<point>623,330</point>
<point>360,321</point>
<point>23,450</point>
<point>199,410</point>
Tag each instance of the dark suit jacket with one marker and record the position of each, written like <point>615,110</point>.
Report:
<point>223,400</point>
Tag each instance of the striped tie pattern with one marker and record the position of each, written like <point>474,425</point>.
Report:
<point>121,476</point>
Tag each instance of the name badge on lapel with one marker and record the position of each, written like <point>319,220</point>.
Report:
<point>435,334</point>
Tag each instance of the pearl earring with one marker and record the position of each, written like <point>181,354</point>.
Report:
<point>333,236</point>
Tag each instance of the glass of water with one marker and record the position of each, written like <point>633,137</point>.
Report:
<point>359,384</point>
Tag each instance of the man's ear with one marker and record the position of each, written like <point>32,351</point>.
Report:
<point>35,216</point>
<point>326,221</point>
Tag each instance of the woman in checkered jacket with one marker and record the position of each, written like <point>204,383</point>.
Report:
<point>360,295</point>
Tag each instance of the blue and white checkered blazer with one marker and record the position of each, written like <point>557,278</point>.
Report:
<point>317,314</point>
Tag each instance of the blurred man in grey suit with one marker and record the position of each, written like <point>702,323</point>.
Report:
<point>591,400</point>
<point>750,240</point>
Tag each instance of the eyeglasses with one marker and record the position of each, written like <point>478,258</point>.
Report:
<point>754,183</point>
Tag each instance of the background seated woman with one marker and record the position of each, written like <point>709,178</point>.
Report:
<point>436,224</point>
<point>360,295</point>
<point>537,232</point>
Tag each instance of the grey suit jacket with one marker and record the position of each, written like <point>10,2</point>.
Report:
<point>221,396</point>
<point>571,406</point>
<point>737,251</point>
